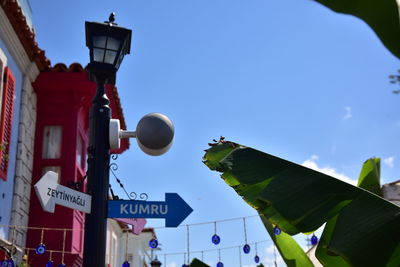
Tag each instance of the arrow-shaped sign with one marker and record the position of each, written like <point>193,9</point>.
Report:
<point>174,210</point>
<point>51,193</point>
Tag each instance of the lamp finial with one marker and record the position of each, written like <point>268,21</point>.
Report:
<point>111,19</point>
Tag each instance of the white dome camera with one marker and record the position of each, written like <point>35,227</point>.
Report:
<point>154,134</point>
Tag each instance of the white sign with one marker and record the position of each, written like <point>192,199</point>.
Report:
<point>51,193</point>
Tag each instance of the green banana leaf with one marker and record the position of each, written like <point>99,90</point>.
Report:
<point>197,263</point>
<point>369,179</point>
<point>292,254</point>
<point>381,15</point>
<point>298,199</point>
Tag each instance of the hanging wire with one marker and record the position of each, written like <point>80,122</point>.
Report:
<point>165,259</point>
<point>210,250</point>
<point>240,257</point>
<point>276,264</point>
<point>245,231</point>
<point>40,228</point>
<point>210,222</point>
<point>256,257</point>
<point>126,247</point>
<point>215,238</point>
<point>188,250</point>
<point>50,262</point>
<point>41,236</point>
<point>62,255</point>
<point>144,255</point>
<point>158,227</point>
<point>12,241</point>
<point>187,226</point>
<point>202,256</point>
<point>246,247</point>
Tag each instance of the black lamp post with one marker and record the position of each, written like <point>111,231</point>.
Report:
<point>108,44</point>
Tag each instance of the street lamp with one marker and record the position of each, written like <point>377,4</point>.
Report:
<point>108,44</point>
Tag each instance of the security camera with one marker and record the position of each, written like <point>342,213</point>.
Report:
<point>154,134</point>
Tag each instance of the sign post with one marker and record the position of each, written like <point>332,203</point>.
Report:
<point>51,193</point>
<point>174,209</point>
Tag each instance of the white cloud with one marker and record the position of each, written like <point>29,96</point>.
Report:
<point>312,164</point>
<point>269,260</point>
<point>172,264</point>
<point>389,161</point>
<point>349,113</point>
<point>270,249</point>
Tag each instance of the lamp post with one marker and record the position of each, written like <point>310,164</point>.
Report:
<point>108,44</point>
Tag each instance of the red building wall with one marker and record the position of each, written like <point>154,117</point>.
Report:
<point>63,100</point>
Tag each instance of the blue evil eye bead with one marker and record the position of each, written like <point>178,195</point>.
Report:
<point>314,240</point>
<point>153,243</point>
<point>257,259</point>
<point>216,239</point>
<point>220,264</point>
<point>40,249</point>
<point>185,265</point>
<point>246,249</point>
<point>126,264</point>
<point>4,263</point>
<point>49,263</point>
<point>62,265</point>
<point>10,263</point>
<point>277,230</point>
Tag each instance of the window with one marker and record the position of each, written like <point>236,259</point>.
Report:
<point>51,142</point>
<point>7,105</point>
<point>79,151</point>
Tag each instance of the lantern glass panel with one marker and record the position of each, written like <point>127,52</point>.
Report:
<point>113,43</point>
<point>98,54</point>
<point>99,41</point>
<point>110,57</point>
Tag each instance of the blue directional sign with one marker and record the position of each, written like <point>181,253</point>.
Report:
<point>174,209</point>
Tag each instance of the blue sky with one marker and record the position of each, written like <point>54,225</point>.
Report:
<point>290,78</point>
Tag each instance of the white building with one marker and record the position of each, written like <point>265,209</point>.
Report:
<point>391,192</point>
<point>123,245</point>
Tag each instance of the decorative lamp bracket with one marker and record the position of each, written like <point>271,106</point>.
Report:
<point>116,134</point>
